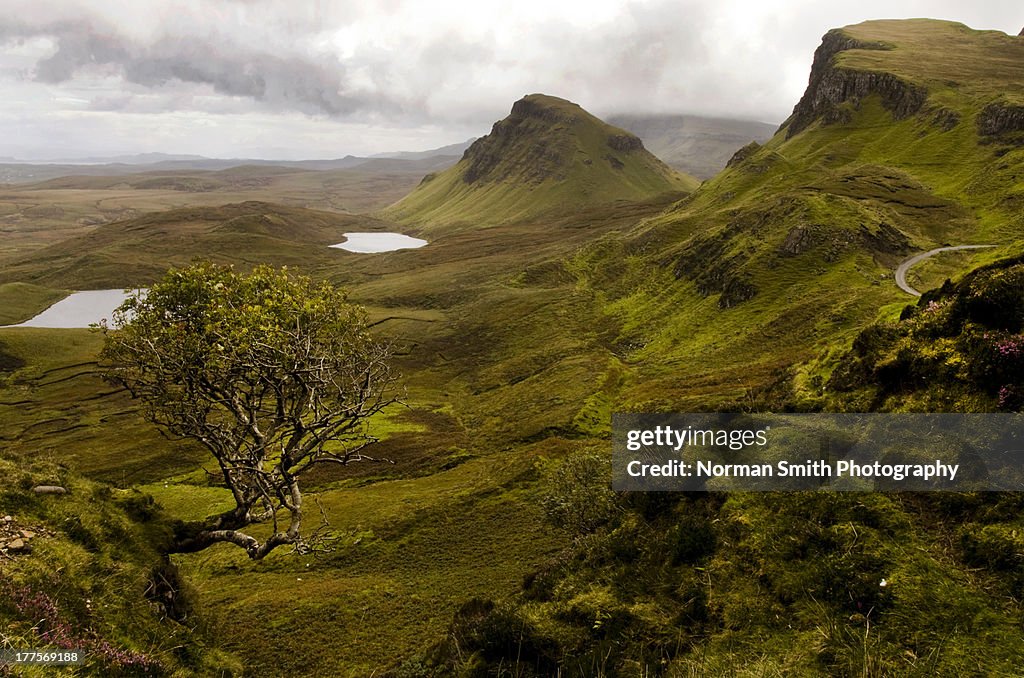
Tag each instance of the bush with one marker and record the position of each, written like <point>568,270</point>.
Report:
<point>579,497</point>
<point>483,634</point>
<point>691,540</point>
<point>993,298</point>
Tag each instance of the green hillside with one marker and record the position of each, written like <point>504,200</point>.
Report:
<point>494,546</point>
<point>767,268</point>
<point>549,156</point>
<point>138,250</point>
<point>82,571</point>
<point>960,349</point>
<point>752,293</point>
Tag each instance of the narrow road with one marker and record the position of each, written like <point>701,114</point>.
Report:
<point>904,268</point>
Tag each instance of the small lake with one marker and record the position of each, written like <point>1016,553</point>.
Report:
<point>371,243</point>
<point>79,309</point>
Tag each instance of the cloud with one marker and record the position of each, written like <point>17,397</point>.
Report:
<point>446,66</point>
<point>287,82</point>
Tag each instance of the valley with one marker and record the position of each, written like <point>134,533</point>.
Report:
<point>569,274</point>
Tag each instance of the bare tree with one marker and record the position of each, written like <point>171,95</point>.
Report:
<point>272,373</point>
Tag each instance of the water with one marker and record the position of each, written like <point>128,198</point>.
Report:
<point>79,309</point>
<point>371,243</point>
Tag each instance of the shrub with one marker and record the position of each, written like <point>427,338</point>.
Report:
<point>579,497</point>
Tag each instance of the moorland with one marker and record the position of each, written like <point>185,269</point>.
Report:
<point>569,274</point>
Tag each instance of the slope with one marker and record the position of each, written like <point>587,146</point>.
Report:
<point>520,347</point>
<point>136,251</point>
<point>747,295</point>
<point>791,249</point>
<point>549,156</point>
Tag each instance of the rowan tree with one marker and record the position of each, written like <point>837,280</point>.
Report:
<point>270,372</point>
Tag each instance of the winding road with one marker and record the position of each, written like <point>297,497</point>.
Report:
<point>904,268</point>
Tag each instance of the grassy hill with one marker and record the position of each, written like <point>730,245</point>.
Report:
<point>139,250</point>
<point>83,571</point>
<point>517,341</point>
<point>764,270</point>
<point>549,156</point>
<point>748,294</point>
<point>959,349</point>
<point>42,213</point>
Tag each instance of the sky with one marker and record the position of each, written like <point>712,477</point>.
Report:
<point>294,79</point>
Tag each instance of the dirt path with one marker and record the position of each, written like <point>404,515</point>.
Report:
<point>904,268</point>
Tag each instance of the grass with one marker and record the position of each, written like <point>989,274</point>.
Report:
<point>549,157</point>
<point>58,406</point>
<point>517,340</point>
<point>976,63</point>
<point>22,301</point>
<point>90,581</point>
<point>44,213</point>
<point>935,270</point>
<point>408,552</point>
<point>137,251</point>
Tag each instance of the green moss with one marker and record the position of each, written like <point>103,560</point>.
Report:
<point>92,579</point>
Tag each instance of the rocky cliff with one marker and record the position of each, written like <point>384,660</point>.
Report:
<point>1002,120</point>
<point>831,86</point>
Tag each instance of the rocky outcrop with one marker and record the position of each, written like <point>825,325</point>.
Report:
<point>945,119</point>
<point>49,489</point>
<point>625,143</point>
<point>535,108</point>
<point>999,119</point>
<point>518,143</point>
<point>885,238</point>
<point>534,143</point>
<point>710,263</point>
<point>742,154</point>
<point>831,87</point>
<point>800,239</point>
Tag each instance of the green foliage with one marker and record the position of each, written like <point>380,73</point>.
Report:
<point>270,372</point>
<point>92,579</point>
<point>487,633</point>
<point>578,495</point>
<point>959,349</point>
<point>745,294</point>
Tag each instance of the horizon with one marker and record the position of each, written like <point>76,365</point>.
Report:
<point>170,156</point>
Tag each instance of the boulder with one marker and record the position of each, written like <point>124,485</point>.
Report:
<point>49,489</point>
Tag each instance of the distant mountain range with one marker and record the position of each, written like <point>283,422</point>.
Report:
<point>693,144</point>
<point>451,149</point>
<point>21,172</point>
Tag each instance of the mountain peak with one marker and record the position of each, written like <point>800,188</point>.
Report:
<point>901,62</point>
<point>540,140</point>
<point>547,154</point>
<point>547,107</point>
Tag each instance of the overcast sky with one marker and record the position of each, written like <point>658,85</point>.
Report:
<point>326,78</point>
